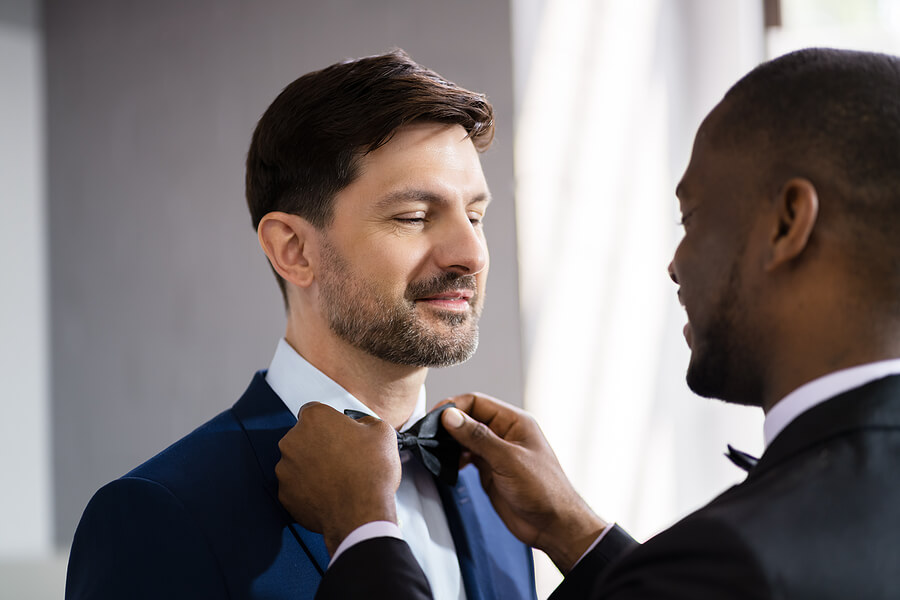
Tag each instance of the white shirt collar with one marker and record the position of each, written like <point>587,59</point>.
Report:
<point>818,390</point>
<point>298,382</point>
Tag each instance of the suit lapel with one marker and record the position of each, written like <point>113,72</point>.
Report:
<point>876,404</point>
<point>265,419</point>
<point>468,537</point>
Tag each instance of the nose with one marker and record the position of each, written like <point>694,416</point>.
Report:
<point>672,271</point>
<point>461,247</point>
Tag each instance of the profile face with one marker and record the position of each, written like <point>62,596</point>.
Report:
<point>711,266</point>
<point>404,260</point>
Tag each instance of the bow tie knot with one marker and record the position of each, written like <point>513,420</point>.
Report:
<point>741,459</point>
<point>428,441</point>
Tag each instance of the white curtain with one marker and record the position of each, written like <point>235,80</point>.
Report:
<point>610,99</point>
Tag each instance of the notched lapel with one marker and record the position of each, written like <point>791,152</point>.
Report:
<point>265,420</point>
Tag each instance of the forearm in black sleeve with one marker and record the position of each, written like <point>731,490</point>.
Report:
<point>382,568</point>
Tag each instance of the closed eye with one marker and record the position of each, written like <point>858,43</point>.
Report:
<point>415,217</point>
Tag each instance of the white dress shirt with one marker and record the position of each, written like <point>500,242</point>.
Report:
<point>818,390</point>
<point>420,512</point>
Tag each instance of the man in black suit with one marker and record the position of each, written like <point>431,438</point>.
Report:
<point>789,271</point>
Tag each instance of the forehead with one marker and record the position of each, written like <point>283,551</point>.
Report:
<point>718,162</point>
<point>423,154</point>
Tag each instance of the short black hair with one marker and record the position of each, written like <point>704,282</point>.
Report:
<point>308,143</point>
<point>833,117</point>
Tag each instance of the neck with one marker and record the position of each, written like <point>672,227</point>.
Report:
<point>822,350</point>
<point>391,391</point>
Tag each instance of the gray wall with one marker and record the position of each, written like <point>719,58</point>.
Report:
<point>162,305</point>
<point>24,400</point>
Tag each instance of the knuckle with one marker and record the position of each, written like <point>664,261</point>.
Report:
<point>384,429</point>
<point>309,410</point>
<point>480,431</point>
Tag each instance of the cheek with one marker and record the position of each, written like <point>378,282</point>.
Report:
<point>393,269</point>
<point>692,271</point>
<point>702,262</point>
<point>481,281</point>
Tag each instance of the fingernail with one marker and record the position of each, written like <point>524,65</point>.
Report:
<point>453,417</point>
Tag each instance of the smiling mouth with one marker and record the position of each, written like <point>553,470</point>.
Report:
<point>457,300</point>
<point>686,331</point>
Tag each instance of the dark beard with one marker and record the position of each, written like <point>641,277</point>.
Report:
<point>395,333</point>
<point>722,362</point>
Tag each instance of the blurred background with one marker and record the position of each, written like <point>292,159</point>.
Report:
<point>135,303</point>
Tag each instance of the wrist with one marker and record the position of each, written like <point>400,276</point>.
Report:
<point>572,538</point>
<point>342,524</point>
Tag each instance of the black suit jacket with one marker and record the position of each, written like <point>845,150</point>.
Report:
<point>817,518</point>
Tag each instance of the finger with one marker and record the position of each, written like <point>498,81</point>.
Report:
<point>462,402</point>
<point>484,408</point>
<point>474,435</point>
<point>309,408</point>
<point>496,414</point>
<point>367,420</point>
<point>316,412</point>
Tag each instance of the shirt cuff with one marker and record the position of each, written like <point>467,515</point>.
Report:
<point>371,530</point>
<point>586,552</point>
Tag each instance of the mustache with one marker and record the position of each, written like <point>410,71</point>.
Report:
<point>445,282</point>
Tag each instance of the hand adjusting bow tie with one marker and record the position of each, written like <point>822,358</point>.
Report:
<point>429,442</point>
<point>741,459</point>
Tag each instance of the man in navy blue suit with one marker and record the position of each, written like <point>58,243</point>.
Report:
<point>366,190</point>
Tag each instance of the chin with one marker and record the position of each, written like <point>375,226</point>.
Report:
<point>714,379</point>
<point>706,375</point>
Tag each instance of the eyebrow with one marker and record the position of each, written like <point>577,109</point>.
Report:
<point>416,195</point>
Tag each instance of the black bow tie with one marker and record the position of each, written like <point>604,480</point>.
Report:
<point>741,459</point>
<point>430,443</point>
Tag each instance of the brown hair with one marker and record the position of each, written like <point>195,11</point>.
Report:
<point>308,143</point>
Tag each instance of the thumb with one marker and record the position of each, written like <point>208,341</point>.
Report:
<point>473,435</point>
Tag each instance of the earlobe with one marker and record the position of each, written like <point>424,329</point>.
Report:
<point>287,241</point>
<point>797,207</point>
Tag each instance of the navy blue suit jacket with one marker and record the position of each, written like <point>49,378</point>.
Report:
<point>202,520</point>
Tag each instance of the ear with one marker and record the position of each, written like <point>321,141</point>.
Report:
<point>289,243</point>
<point>797,207</point>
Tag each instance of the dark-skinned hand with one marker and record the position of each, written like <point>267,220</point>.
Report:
<point>336,473</point>
<point>523,477</point>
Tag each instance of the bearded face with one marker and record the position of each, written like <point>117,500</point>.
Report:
<point>398,329</point>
